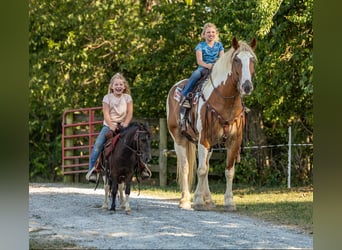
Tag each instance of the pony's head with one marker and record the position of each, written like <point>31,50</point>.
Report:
<point>138,137</point>
<point>243,59</point>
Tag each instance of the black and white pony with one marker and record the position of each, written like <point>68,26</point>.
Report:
<point>129,156</point>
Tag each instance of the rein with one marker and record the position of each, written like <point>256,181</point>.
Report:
<point>218,93</point>
<point>226,124</point>
<point>136,135</point>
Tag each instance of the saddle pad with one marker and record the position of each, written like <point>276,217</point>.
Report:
<point>177,95</point>
<point>110,144</point>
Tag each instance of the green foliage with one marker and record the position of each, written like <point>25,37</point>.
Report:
<point>76,46</point>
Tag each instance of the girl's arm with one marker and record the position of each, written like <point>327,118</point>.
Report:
<point>106,116</point>
<point>129,115</point>
<point>200,61</point>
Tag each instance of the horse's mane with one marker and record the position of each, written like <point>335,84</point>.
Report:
<point>225,61</point>
<point>132,125</point>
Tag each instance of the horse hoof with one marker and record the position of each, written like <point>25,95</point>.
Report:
<point>185,205</point>
<point>229,208</point>
<point>210,205</point>
<point>128,212</point>
<point>200,207</point>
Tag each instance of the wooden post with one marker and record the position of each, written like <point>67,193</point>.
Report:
<point>162,156</point>
<point>289,161</point>
<point>69,143</point>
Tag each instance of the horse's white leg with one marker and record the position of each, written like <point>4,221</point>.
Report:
<point>106,189</point>
<point>127,206</point>
<point>121,195</point>
<point>229,204</point>
<point>202,196</point>
<point>183,173</point>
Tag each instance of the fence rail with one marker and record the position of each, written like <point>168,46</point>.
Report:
<point>81,126</point>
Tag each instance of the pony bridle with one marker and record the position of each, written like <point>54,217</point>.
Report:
<point>137,151</point>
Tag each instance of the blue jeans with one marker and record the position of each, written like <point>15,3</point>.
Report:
<point>98,146</point>
<point>196,75</point>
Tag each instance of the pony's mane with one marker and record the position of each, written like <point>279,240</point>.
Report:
<point>133,125</point>
<point>225,61</point>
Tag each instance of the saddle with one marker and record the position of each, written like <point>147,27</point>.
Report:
<point>112,137</point>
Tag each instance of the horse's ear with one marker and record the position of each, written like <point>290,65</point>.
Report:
<point>253,43</point>
<point>235,43</point>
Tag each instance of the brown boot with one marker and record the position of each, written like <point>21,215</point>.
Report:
<point>184,105</point>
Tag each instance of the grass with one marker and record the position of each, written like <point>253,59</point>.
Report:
<point>291,207</point>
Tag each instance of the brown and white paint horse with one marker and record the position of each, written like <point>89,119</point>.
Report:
<point>220,117</point>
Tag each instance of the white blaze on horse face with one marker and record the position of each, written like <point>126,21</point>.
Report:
<point>246,76</point>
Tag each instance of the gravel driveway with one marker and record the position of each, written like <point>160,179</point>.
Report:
<point>61,212</point>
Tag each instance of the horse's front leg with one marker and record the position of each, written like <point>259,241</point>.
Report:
<point>229,204</point>
<point>121,195</point>
<point>127,193</point>
<point>202,195</point>
<point>232,152</point>
<point>114,192</point>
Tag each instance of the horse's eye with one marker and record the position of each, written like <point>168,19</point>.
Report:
<point>236,60</point>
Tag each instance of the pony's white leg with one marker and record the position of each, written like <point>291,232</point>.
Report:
<point>202,196</point>
<point>229,204</point>
<point>106,189</point>
<point>183,173</point>
<point>126,203</point>
<point>121,195</point>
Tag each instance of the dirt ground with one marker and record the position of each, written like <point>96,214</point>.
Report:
<point>61,213</point>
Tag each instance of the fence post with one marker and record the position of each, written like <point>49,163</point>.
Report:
<point>289,162</point>
<point>162,157</point>
<point>68,143</point>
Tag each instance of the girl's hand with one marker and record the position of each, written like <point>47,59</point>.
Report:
<point>113,127</point>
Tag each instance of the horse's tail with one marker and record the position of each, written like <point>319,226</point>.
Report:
<point>191,158</point>
<point>191,152</point>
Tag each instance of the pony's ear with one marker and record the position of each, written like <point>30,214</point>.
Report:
<point>253,43</point>
<point>235,43</point>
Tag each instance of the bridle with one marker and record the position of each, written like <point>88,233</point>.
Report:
<point>226,124</point>
<point>137,151</point>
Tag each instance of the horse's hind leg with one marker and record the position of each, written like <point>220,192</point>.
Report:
<point>106,189</point>
<point>183,173</point>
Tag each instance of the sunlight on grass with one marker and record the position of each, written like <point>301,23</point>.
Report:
<point>291,207</point>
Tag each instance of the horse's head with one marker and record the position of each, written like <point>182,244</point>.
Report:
<point>243,65</point>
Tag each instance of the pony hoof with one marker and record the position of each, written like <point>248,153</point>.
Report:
<point>128,212</point>
<point>229,208</point>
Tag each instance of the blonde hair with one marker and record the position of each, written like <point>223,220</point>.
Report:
<point>120,77</point>
<point>210,25</point>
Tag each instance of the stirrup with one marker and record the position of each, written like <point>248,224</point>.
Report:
<point>186,103</point>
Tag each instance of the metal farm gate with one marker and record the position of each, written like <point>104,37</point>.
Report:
<point>79,130</point>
